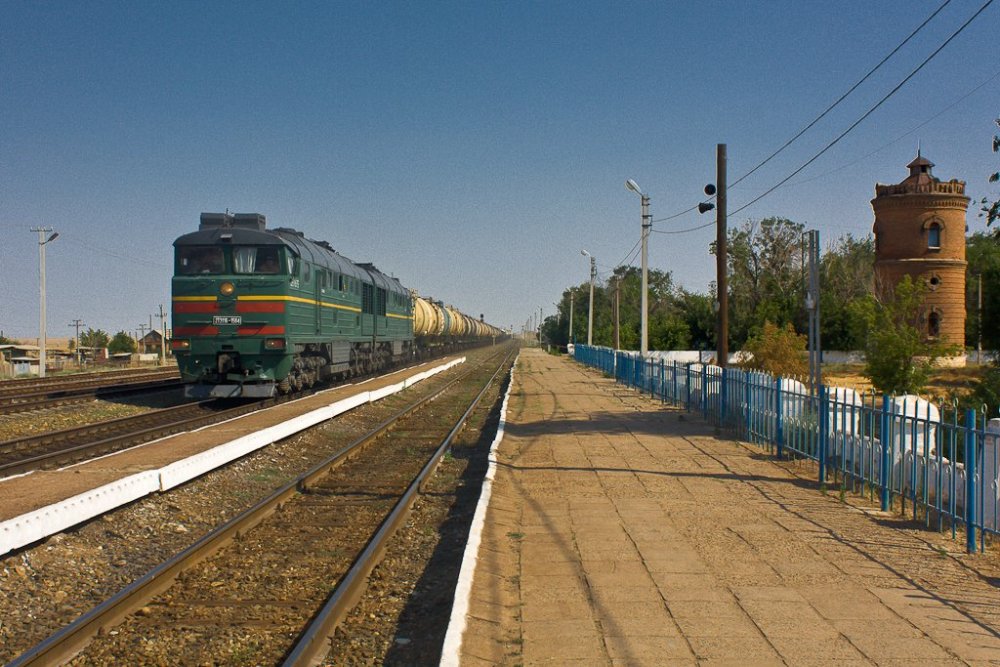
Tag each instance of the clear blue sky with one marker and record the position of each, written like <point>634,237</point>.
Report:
<point>470,148</point>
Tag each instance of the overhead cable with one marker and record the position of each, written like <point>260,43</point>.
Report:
<point>867,113</point>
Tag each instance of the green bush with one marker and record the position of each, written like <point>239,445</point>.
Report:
<point>777,350</point>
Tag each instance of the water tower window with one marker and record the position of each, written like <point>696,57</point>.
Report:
<point>934,325</point>
<point>934,236</point>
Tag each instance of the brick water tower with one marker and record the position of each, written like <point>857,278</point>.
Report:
<point>920,232</point>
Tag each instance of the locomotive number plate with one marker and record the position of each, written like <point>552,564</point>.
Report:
<point>227,319</point>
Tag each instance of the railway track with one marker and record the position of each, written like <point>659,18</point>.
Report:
<point>58,448</point>
<point>257,590</point>
<point>27,395</point>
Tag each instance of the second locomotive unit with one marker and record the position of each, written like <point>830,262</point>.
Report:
<point>258,312</point>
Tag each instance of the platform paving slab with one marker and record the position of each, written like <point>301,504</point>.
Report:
<point>625,532</point>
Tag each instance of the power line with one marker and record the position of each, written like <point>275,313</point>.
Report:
<point>104,251</point>
<point>684,231</point>
<point>902,136</point>
<point>867,113</point>
<point>825,111</point>
<point>844,96</point>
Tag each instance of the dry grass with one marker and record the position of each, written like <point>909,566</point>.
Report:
<point>945,383</point>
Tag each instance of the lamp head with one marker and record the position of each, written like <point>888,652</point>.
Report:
<point>585,253</point>
<point>633,186</point>
<point>705,207</point>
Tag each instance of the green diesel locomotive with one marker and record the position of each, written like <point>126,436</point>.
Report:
<point>258,311</point>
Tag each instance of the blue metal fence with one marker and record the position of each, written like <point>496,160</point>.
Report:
<point>895,449</point>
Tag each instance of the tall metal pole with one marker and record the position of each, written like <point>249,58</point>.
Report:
<point>590,314</point>
<point>618,302</point>
<point>647,224</point>
<point>979,317</point>
<point>721,261</point>
<point>812,305</point>
<point>163,337</point>
<point>42,242</point>
<point>572,293</point>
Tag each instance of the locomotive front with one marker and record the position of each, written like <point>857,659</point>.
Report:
<point>230,287</point>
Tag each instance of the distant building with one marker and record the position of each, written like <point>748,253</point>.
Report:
<point>151,342</point>
<point>920,232</point>
<point>19,359</point>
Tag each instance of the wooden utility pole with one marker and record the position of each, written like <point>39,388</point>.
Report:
<point>721,261</point>
<point>77,324</point>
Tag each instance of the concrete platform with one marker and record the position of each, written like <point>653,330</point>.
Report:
<point>623,532</point>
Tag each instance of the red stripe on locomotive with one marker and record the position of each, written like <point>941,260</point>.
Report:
<point>196,306</point>
<point>206,330</point>
<point>262,330</point>
<point>260,306</point>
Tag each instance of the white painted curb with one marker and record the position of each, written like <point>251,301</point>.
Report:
<point>451,650</point>
<point>55,518</point>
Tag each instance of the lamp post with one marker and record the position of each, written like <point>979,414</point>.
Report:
<point>590,313</point>
<point>42,242</point>
<point>647,224</point>
<point>572,293</point>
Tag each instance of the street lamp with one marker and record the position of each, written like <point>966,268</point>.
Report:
<point>590,314</point>
<point>647,224</point>
<point>572,295</point>
<point>42,242</point>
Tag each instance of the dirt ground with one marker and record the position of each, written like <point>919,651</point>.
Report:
<point>944,384</point>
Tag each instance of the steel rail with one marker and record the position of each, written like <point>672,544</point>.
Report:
<point>65,643</point>
<point>109,444</point>
<point>129,438</point>
<point>15,388</point>
<point>312,645</point>
<point>51,399</point>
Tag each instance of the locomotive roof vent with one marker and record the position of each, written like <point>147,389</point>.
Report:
<point>254,221</point>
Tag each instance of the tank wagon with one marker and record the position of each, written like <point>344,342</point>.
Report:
<point>260,311</point>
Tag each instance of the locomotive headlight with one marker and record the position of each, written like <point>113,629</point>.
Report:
<point>226,289</point>
<point>180,344</point>
<point>274,343</point>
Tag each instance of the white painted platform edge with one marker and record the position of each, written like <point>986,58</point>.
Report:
<point>57,517</point>
<point>451,649</point>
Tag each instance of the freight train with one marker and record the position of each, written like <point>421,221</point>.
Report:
<point>260,311</point>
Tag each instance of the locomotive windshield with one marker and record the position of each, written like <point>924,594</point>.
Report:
<point>199,260</point>
<point>262,260</point>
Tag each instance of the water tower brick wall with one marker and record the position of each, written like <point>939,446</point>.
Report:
<point>906,243</point>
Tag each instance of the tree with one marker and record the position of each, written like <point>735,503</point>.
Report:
<point>983,256</point>
<point>986,391</point>
<point>991,209</point>
<point>765,276</point>
<point>776,350</point>
<point>898,357</point>
<point>668,328</point>
<point>6,341</point>
<point>847,275</point>
<point>92,338</point>
<point>122,342</point>
<point>699,317</point>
